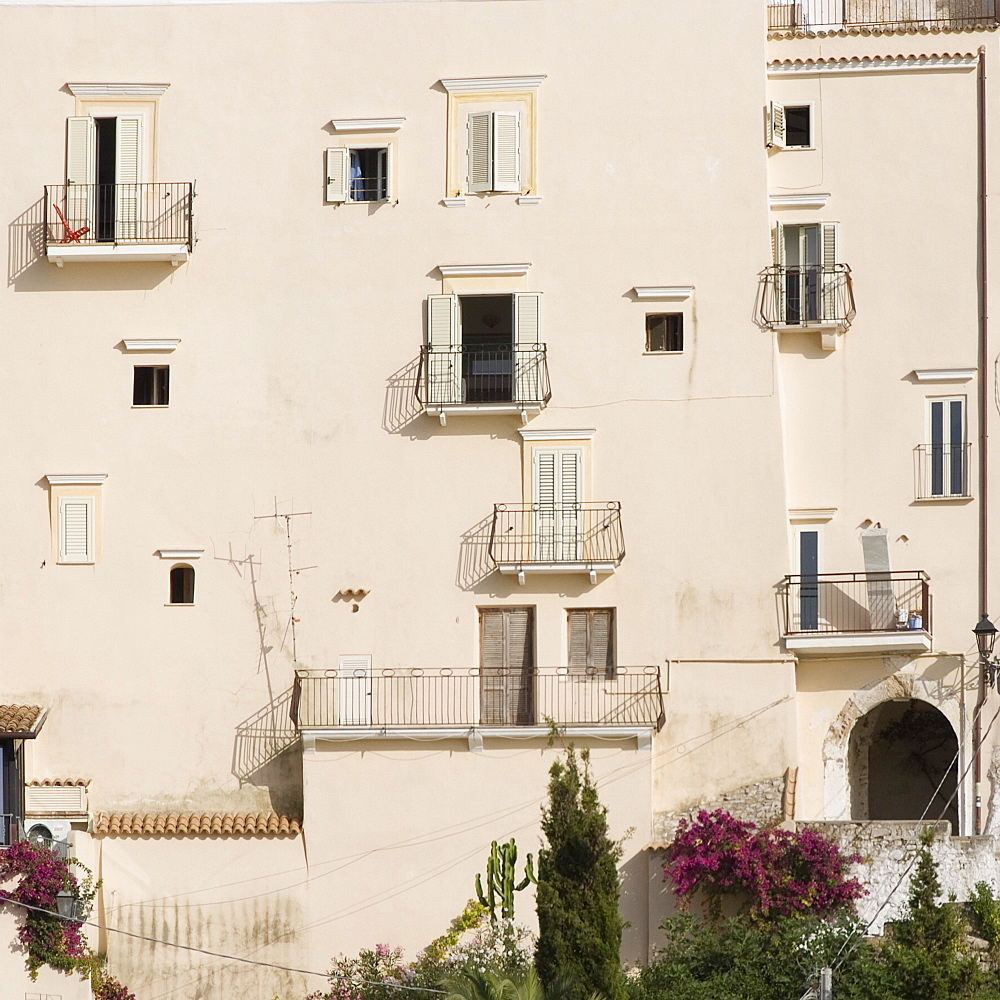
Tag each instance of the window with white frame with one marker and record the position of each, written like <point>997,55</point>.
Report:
<point>359,174</point>
<point>74,510</point>
<point>494,152</point>
<point>790,126</point>
<point>943,469</point>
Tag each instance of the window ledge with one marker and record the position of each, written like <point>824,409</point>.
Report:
<point>150,406</point>
<point>658,354</point>
<point>179,604</point>
<point>963,498</point>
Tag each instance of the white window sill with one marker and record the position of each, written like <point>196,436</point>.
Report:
<point>963,498</point>
<point>660,354</point>
<point>76,562</point>
<point>178,605</point>
<point>793,149</point>
<point>150,406</point>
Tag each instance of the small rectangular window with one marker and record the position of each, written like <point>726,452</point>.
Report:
<point>592,640</point>
<point>151,385</point>
<point>665,332</point>
<point>368,175</point>
<point>76,530</point>
<point>798,130</point>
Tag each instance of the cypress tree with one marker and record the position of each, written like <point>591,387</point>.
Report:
<point>579,926</point>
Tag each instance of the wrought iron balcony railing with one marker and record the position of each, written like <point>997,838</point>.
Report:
<point>131,214</point>
<point>807,16</point>
<point>857,602</point>
<point>942,470</point>
<point>561,533</point>
<point>473,697</point>
<point>806,296</point>
<point>467,375</point>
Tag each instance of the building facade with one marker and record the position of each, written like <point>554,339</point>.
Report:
<point>574,365</point>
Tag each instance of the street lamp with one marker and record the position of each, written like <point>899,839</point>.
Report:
<point>67,904</point>
<point>986,637</point>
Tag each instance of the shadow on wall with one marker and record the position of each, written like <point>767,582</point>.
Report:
<point>265,754</point>
<point>25,240</point>
<point>401,405</point>
<point>474,562</point>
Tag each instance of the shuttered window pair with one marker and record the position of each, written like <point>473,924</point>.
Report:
<point>507,659</point>
<point>807,282</point>
<point>494,152</point>
<point>76,529</point>
<point>591,640</point>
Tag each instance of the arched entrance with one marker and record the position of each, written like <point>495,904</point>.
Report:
<point>898,755</point>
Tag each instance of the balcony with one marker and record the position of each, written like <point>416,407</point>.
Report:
<point>830,613</point>
<point>472,698</point>
<point>807,298</point>
<point>942,471</point>
<point>467,381</point>
<point>809,16</point>
<point>568,538</point>
<point>10,829</point>
<point>99,223</point>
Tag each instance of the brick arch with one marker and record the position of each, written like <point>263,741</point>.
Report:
<point>897,687</point>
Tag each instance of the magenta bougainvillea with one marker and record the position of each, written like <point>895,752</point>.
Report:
<point>773,873</point>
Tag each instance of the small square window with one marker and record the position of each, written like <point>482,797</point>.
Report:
<point>798,127</point>
<point>151,385</point>
<point>664,332</point>
<point>368,175</point>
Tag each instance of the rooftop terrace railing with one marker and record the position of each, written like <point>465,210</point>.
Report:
<point>809,16</point>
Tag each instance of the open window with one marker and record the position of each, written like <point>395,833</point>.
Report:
<point>789,126</point>
<point>359,174</point>
<point>151,385</point>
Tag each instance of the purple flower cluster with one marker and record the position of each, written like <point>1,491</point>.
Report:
<point>775,873</point>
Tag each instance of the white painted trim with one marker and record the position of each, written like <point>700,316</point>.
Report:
<point>436,733</point>
<point>106,253</point>
<point>822,644</point>
<point>180,553</point>
<point>485,84</point>
<point>529,199</point>
<point>453,202</point>
<point>591,568</point>
<point>573,434</point>
<point>95,90</point>
<point>811,514</point>
<point>872,64</point>
<point>664,293</point>
<point>150,346</point>
<point>367,124</point>
<point>89,479</point>
<point>483,270</point>
<point>444,410</point>
<point>944,374</point>
<point>816,200</point>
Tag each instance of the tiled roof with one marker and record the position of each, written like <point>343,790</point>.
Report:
<point>58,782</point>
<point>19,718</point>
<point>876,29</point>
<point>195,825</point>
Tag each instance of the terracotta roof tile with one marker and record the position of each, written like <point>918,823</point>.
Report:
<point>126,824</point>
<point>874,29</point>
<point>58,783</point>
<point>19,718</point>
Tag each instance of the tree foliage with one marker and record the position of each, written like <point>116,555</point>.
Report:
<point>579,926</point>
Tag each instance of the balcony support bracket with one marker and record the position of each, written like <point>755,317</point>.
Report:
<point>644,739</point>
<point>308,744</point>
<point>475,741</point>
<point>443,417</point>
<point>593,577</point>
<point>524,416</point>
<point>520,577</point>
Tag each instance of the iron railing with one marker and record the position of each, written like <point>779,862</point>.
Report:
<point>800,296</point>
<point>567,533</point>
<point>857,602</point>
<point>942,470</point>
<point>441,696</point>
<point>460,374</point>
<point>118,213</point>
<point>807,16</point>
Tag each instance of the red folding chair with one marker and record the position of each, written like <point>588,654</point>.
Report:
<point>72,235</point>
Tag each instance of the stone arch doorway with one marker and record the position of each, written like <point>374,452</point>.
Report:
<point>899,753</point>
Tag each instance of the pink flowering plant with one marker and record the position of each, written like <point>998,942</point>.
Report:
<point>772,873</point>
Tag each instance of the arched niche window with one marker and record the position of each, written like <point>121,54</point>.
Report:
<point>182,584</point>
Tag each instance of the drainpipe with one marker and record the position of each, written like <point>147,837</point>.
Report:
<point>983,411</point>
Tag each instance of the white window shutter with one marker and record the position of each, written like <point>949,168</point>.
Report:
<point>828,231</point>
<point>829,278</point>
<point>390,186</point>
<point>444,354</point>
<point>354,703</point>
<point>570,474</point>
<point>128,141</point>
<point>80,150</point>
<point>480,152</point>
<point>776,125</point>
<point>506,153</point>
<point>527,351</point>
<point>337,174</point>
<point>544,503</point>
<point>76,530</point>
<point>778,288</point>
<point>527,312</point>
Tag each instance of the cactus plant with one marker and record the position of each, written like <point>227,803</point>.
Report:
<point>501,883</point>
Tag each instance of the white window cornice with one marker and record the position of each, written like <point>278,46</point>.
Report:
<point>180,553</point>
<point>944,374</point>
<point>663,293</point>
<point>487,84</point>
<point>151,346</point>
<point>97,90</point>
<point>367,124</point>
<point>814,515</point>
<point>573,434</point>
<point>483,270</point>
<point>87,479</point>
<point>815,200</point>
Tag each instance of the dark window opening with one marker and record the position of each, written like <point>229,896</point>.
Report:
<point>487,348</point>
<point>368,175</point>
<point>151,385</point>
<point>11,790</point>
<point>106,130</point>
<point>182,585</point>
<point>665,332</point>
<point>797,126</point>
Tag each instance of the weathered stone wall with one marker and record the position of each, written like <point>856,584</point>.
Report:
<point>761,802</point>
<point>887,850</point>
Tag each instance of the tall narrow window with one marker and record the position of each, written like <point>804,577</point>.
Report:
<point>808,580</point>
<point>76,529</point>
<point>591,640</point>
<point>182,585</point>
<point>506,661</point>
<point>151,385</point>
<point>494,152</point>
<point>946,471</point>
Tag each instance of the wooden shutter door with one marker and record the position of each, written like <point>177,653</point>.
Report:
<point>76,530</point>
<point>128,170</point>
<point>506,676</point>
<point>444,353</point>
<point>527,352</point>
<point>354,691</point>
<point>80,167</point>
<point>480,152</point>
<point>336,175</point>
<point>506,153</point>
